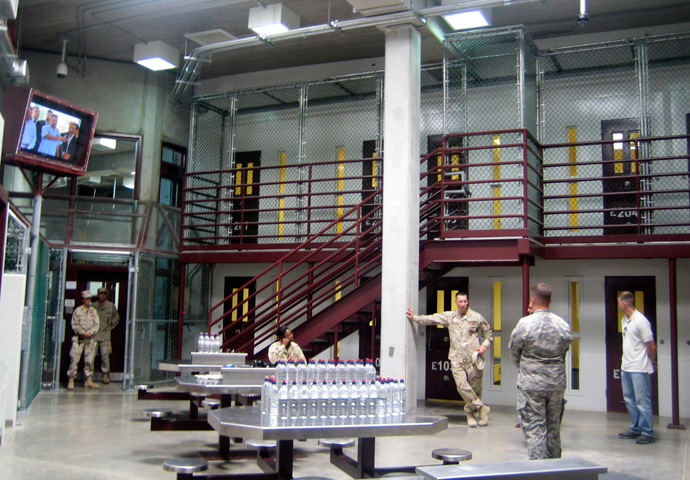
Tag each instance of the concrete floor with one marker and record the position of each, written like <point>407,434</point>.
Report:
<point>103,435</point>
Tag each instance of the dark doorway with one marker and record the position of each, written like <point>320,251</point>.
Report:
<point>440,297</point>
<point>116,281</point>
<point>644,289</point>
<point>453,194</point>
<point>370,170</point>
<point>245,206</point>
<point>237,286</point>
<point>620,194</point>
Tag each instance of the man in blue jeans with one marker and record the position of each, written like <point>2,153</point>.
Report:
<point>639,362</point>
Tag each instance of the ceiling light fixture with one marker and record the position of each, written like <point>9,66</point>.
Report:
<point>471,19</point>
<point>272,19</point>
<point>156,55</point>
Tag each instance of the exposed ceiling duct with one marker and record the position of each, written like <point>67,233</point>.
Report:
<point>189,73</point>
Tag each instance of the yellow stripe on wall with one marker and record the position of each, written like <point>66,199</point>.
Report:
<point>440,301</point>
<point>496,152</point>
<point>572,158</point>
<point>340,186</point>
<point>238,180</point>
<point>281,201</point>
<point>338,291</point>
<point>234,304</point>
<point>633,151</point>
<point>575,306</point>
<point>374,170</point>
<point>250,178</point>
<point>498,305</point>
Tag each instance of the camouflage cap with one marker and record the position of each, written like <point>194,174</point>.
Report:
<point>103,290</point>
<point>86,294</point>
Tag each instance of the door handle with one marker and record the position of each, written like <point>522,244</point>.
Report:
<point>616,374</point>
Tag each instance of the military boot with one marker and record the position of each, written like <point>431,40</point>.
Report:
<point>484,415</point>
<point>105,379</point>
<point>89,382</point>
<point>70,384</point>
<point>471,421</point>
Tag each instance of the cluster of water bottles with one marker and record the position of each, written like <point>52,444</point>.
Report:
<point>311,391</point>
<point>208,343</point>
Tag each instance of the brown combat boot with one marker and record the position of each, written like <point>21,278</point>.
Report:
<point>89,382</point>
<point>484,415</point>
<point>105,379</point>
<point>70,384</point>
<point>471,420</point>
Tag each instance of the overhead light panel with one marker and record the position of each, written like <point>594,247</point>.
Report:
<point>110,143</point>
<point>272,19</point>
<point>466,20</point>
<point>156,55</point>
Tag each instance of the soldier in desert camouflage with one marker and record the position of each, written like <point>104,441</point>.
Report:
<point>85,324</point>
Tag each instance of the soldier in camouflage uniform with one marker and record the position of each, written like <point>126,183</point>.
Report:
<point>85,325</point>
<point>464,326</point>
<point>107,313</point>
<point>538,346</point>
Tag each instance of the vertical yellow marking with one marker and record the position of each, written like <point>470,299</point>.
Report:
<point>634,153</point>
<point>276,289</point>
<point>498,305</point>
<point>455,160</point>
<point>575,306</point>
<point>618,152</point>
<point>374,170</point>
<point>440,301</point>
<point>575,357</point>
<point>496,140</point>
<point>234,304</point>
<point>250,178</point>
<point>238,180</point>
<point>439,163</point>
<point>340,186</point>
<point>572,158</point>
<point>338,291</point>
<point>639,301</point>
<point>245,307</point>
<point>281,201</point>
<point>497,359</point>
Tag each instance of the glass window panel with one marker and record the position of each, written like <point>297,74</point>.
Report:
<point>111,170</point>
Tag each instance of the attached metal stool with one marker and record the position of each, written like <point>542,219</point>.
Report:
<point>408,475</point>
<point>143,387</point>
<point>264,448</point>
<point>157,412</point>
<point>337,443</point>
<point>312,478</point>
<point>451,456</point>
<point>211,403</point>
<point>185,467</point>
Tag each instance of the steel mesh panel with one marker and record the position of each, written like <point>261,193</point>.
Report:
<point>155,336</point>
<point>38,320</point>
<point>16,243</point>
<point>55,325</point>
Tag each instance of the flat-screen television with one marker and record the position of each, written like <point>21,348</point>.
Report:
<point>46,133</point>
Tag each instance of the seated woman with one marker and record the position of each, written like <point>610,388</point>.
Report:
<point>285,348</point>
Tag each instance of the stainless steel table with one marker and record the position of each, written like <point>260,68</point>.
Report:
<point>560,468</point>
<point>247,422</point>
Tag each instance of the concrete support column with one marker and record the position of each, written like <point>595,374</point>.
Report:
<point>152,131</point>
<point>400,271</point>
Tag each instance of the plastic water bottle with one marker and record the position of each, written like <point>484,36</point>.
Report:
<point>333,399</point>
<point>273,399</point>
<point>330,371</point>
<point>281,372</point>
<point>264,396</point>
<point>363,399</point>
<point>283,401</point>
<point>369,370</point>
<point>323,400</point>
<point>343,394</point>
<point>382,398</point>
<point>403,396</point>
<point>353,400</point>
<point>395,396</point>
<point>359,370</point>
<point>313,405</point>
<point>372,400</point>
<point>350,370</point>
<point>311,371</point>
<point>293,401</point>
<point>200,343</point>
<point>340,371</point>
<point>389,396</point>
<point>219,344</point>
<point>321,371</point>
<point>304,400</point>
<point>291,372</point>
<point>301,372</point>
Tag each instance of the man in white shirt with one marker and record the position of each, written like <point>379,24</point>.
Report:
<point>639,362</point>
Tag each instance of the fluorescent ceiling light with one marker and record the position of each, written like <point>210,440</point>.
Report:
<point>156,55</point>
<point>272,19</point>
<point>128,182</point>
<point>465,20</point>
<point>108,142</point>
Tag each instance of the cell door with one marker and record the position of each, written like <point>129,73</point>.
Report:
<point>440,297</point>
<point>237,286</point>
<point>644,289</point>
<point>620,194</point>
<point>245,205</point>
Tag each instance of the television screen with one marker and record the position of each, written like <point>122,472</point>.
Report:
<point>46,133</point>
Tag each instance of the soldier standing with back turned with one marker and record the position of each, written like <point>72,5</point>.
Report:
<point>109,318</point>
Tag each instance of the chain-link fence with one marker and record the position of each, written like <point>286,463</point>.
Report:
<point>55,325</point>
<point>17,240</point>
<point>153,328</point>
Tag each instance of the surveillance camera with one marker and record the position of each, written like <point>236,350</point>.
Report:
<point>583,19</point>
<point>62,70</point>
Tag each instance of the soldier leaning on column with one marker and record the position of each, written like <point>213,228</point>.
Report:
<point>85,325</point>
<point>107,313</point>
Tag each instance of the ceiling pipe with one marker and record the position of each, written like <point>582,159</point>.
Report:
<point>192,66</point>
